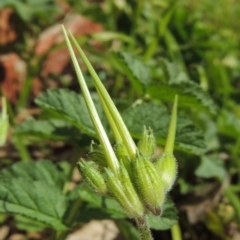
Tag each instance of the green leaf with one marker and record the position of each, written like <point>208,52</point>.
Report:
<point>229,122</point>
<point>71,107</point>
<point>137,72</point>
<point>27,224</point>
<point>90,212</point>
<point>166,220</point>
<point>44,171</point>
<point>188,137</point>
<point>190,93</point>
<point>97,207</point>
<point>37,200</point>
<point>86,194</point>
<point>211,166</point>
<point>52,129</point>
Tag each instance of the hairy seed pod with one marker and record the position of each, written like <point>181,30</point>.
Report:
<point>166,166</point>
<point>122,154</point>
<point>147,143</point>
<point>149,184</point>
<point>92,176</point>
<point>120,187</point>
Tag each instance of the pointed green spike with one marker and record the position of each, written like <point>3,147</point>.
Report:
<point>102,136</point>
<point>117,135</point>
<point>127,139</point>
<point>172,128</point>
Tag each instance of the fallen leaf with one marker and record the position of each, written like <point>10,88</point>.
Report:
<point>12,75</point>
<point>7,31</point>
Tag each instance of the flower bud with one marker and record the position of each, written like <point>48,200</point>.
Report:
<point>167,168</point>
<point>149,184</point>
<point>147,144</point>
<point>92,176</point>
<point>3,123</point>
<point>121,188</point>
<point>96,155</point>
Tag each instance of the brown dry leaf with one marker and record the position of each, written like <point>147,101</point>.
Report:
<point>57,60</point>
<point>7,31</point>
<point>77,24</point>
<point>12,75</point>
<point>201,202</point>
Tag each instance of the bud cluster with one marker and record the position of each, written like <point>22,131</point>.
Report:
<point>141,184</point>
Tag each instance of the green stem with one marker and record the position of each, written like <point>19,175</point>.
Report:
<point>144,229</point>
<point>24,95</point>
<point>4,108</point>
<point>22,149</point>
<point>172,128</point>
<point>77,203</point>
<point>75,155</point>
<point>70,218</point>
<point>176,232</point>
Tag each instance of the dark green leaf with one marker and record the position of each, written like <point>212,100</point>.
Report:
<point>97,207</point>
<point>137,72</point>
<point>52,129</point>
<point>89,212</point>
<point>128,230</point>
<point>70,106</point>
<point>229,122</point>
<point>190,93</point>
<point>27,224</point>
<point>166,220</point>
<point>37,200</point>
<point>44,171</point>
<point>188,137</point>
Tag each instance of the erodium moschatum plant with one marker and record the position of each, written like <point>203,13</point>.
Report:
<point>127,172</point>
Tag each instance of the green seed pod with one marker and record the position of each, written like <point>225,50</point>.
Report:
<point>122,154</point>
<point>92,176</point>
<point>129,189</point>
<point>149,184</point>
<point>121,188</point>
<point>167,168</point>
<point>147,144</point>
<point>4,124</point>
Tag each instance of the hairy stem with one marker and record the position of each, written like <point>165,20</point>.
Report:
<point>144,229</point>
